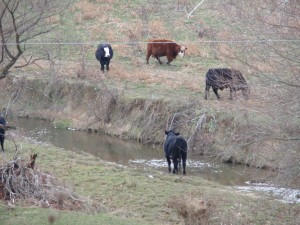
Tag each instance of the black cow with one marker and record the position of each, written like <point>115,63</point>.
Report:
<point>2,131</point>
<point>104,54</point>
<point>176,148</point>
<point>221,78</point>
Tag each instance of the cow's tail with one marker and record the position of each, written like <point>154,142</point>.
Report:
<point>181,146</point>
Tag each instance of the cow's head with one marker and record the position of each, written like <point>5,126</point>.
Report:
<point>171,132</point>
<point>106,51</point>
<point>181,51</point>
<point>246,91</point>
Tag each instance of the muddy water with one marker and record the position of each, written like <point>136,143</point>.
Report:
<point>133,154</point>
<point>127,153</point>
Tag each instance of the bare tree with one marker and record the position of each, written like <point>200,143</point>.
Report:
<point>270,57</point>
<point>21,21</point>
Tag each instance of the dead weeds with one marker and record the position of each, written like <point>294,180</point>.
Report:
<point>192,210</point>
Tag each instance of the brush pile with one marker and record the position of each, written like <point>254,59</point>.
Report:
<point>19,180</point>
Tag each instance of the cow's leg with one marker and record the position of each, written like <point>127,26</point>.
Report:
<point>206,91</point>
<point>169,163</point>
<point>158,59</point>
<point>230,90</point>
<point>235,92</point>
<point>147,57</point>
<point>107,66</point>
<point>2,142</point>
<point>175,162</point>
<point>184,163</point>
<point>102,67</point>
<point>169,61</point>
<point>216,92</point>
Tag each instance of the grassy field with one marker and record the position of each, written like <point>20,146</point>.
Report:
<point>120,195</point>
<point>138,102</point>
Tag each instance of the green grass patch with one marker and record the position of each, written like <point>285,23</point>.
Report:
<point>41,216</point>
<point>140,196</point>
<point>62,124</point>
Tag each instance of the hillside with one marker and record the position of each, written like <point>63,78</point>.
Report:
<point>138,101</point>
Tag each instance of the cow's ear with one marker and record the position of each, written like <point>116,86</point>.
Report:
<point>185,48</point>
<point>177,133</point>
<point>166,132</point>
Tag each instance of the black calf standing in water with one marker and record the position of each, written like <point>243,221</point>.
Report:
<point>2,132</point>
<point>104,54</point>
<point>176,148</point>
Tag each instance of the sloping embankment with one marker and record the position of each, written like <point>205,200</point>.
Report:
<point>110,108</point>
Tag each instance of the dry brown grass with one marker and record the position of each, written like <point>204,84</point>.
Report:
<point>53,19</point>
<point>91,11</point>
<point>149,74</point>
<point>192,210</point>
<point>158,30</point>
<point>195,49</point>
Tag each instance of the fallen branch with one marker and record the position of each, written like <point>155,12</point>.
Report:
<point>19,180</point>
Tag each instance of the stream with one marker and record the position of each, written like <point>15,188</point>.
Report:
<point>132,154</point>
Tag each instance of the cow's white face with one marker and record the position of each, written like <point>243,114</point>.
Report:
<point>182,51</point>
<point>106,50</point>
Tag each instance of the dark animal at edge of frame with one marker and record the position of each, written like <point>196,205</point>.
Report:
<point>2,132</point>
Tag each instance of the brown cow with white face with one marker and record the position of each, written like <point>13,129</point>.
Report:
<point>162,47</point>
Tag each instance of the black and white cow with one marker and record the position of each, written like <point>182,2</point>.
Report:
<point>221,78</point>
<point>175,148</point>
<point>104,54</point>
<point>2,132</point>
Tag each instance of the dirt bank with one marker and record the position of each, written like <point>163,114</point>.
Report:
<point>140,112</point>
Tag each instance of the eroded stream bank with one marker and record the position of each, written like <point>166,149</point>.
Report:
<point>139,113</point>
<point>136,112</point>
<point>127,153</point>
<point>132,154</point>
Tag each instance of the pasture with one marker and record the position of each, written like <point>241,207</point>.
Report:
<point>137,102</point>
<point>120,195</point>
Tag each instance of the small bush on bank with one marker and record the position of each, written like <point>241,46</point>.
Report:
<point>192,210</point>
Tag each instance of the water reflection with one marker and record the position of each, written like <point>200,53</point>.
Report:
<point>134,154</point>
<point>102,146</point>
<point>130,154</point>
